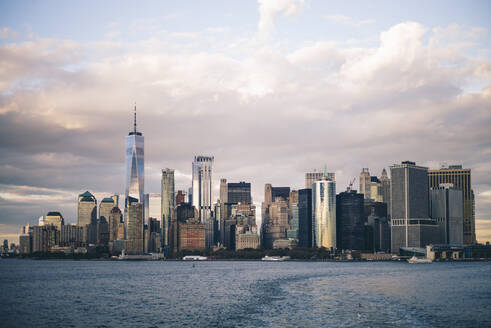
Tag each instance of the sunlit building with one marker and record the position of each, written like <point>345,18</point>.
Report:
<point>202,197</point>
<point>324,213</point>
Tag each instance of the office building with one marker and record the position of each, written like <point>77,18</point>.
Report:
<point>365,183</point>
<point>102,231</point>
<point>54,218</point>
<point>25,244</point>
<point>153,203</point>
<point>385,186</point>
<point>239,193</point>
<point>115,220</point>
<point>135,166</point>
<point>312,177</point>
<point>44,237</point>
<point>203,186</point>
<point>324,213</point>
<point>292,233</point>
<point>305,217</point>
<point>223,191</point>
<point>71,235</point>
<point>134,226</point>
<point>168,202</point>
<point>183,213</point>
<point>87,209</point>
<point>105,207</point>
<point>275,224</point>
<point>376,192</point>
<point>411,225</point>
<point>447,208</point>
<point>191,235</point>
<point>461,179</point>
<point>350,220</point>
<point>180,197</point>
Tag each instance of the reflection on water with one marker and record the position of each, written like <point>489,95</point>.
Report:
<point>243,294</point>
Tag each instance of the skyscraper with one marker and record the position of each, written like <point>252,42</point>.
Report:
<point>106,206</point>
<point>305,217</point>
<point>87,209</point>
<point>203,186</point>
<point>411,224</point>
<point>365,183</point>
<point>135,171</point>
<point>461,179</point>
<point>114,223</point>
<point>134,226</point>
<point>385,181</point>
<point>223,191</point>
<point>239,192</point>
<point>153,206</point>
<point>168,203</point>
<point>349,220</point>
<point>447,208</point>
<point>324,213</point>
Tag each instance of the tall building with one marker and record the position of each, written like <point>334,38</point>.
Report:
<point>350,220</point>
<point>54,218</point>
<point>223,191</point>
<point>324,213</point>
<point>312,177</point>
<point>115,219</point>
<point>44,237</point>
<point>305,217</point>
<point>411,224</point>
<point>134,226</point>
<point>239,193</point>
<point>135,167</point>
<point>105,207</point>
<point>447,208</point>
<point>385,184</point>
<point>461,179</point>
<point>203,186</point>
<point>376,192</point>
<point>168,203</point>
<point>365,183</point>
<point>180,197</point>
<point>87,209</point>
<point>275,214</point>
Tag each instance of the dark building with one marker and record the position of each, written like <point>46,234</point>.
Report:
<point>447,208</point>
<point>411,225</point>
<point>283,192</point>
<point>180,197</point>
<point>305,217</point>
<point>239,192</point>
<point>378,209</point>
<point>349,220</point>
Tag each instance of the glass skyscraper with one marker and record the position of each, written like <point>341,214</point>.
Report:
<point>135,164</point>
<point>324,213</point>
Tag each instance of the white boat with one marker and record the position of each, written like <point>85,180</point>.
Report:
<point>194,258</point>
<point>415,259</point>
<point>275,258</point>
<point>126,257</point>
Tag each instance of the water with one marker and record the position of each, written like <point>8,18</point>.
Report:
<point>243,294</point>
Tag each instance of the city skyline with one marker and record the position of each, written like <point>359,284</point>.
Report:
<point>226,92</point>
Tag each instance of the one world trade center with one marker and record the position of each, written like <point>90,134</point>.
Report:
<point>134,164</point>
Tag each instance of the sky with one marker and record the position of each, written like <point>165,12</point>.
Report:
<point>271,89</point>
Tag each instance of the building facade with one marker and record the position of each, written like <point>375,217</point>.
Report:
<point>167,203</point>
<point>135,165</point>
<point>202,186</point>
<point>350,221</point>
<point>461,179</point>
<point>305,217</point>
<point>411,225</point>
<point>447,208</point>
<point>324,213</point>
<point>134,226</point>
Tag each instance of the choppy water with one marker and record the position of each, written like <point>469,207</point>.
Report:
<point>243,294</point>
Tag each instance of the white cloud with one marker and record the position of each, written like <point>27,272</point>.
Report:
<point>268,10</point>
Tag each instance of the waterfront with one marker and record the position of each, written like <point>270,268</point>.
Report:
<point>243,294</point>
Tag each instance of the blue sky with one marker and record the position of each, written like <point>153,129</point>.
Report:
<point>272,89</point>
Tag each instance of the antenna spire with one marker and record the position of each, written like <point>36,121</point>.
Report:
<point>134,123</point>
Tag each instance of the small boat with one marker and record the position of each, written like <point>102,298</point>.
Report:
<point>275,258</point>
<point>415,259</point>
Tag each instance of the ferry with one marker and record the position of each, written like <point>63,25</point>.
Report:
<point>415,259</point>
<point>275,258</point>
<point>194,258</point>
<point>146,257</point>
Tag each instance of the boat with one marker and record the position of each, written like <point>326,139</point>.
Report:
<point>194,258</point>
<point>415,259</point>
<point>275,258</point>
<point>145,257</point>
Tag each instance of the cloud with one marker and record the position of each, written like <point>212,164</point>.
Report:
<point>348,21</point>
<point>268,10</point>
<point>268,115</point>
